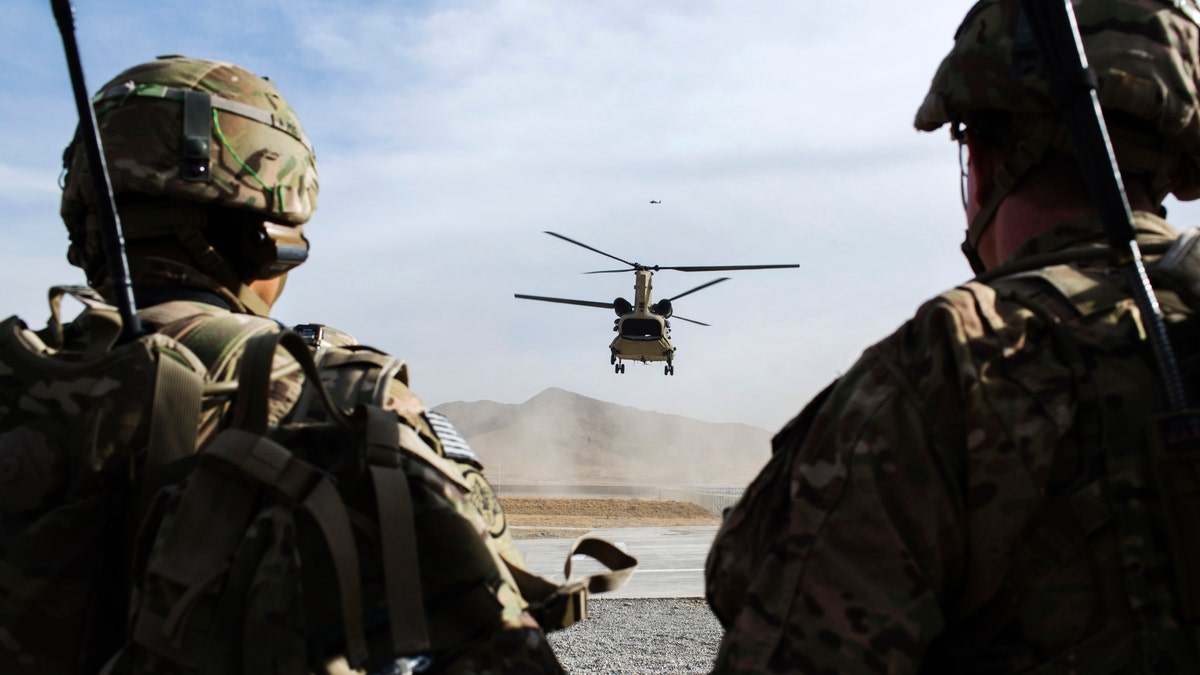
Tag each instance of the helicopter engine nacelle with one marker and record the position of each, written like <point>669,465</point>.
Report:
<point>622,306</point>
<point>662,308</point>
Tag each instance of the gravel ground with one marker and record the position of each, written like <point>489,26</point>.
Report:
<point>662,636</point>
<point>641,635</point>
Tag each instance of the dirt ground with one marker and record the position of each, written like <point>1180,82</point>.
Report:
<point>548,517</point>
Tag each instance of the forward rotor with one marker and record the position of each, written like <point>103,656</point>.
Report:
<point>656,268</point>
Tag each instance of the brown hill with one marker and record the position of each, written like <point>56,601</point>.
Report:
<point>562,437</point>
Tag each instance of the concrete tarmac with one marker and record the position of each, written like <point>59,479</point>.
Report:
<point>670,559</point>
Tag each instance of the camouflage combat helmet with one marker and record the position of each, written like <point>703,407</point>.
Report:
<point>1144,54</point>
<point>181,135</point>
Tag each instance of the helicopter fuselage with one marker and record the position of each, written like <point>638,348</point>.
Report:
<point>646,347</point>
<point>642,334</point>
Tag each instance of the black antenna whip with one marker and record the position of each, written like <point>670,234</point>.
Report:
<point>89,133</point>
<point>1073,85</point>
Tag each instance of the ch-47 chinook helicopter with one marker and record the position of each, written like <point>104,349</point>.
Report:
<point>643,332</point>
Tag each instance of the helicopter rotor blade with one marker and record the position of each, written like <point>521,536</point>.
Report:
<point>700,268</point>
<point>595,250</point>
<point>565,301</point>
<point>684,318</point>
<point>699,288</point>
<point>721,268</point>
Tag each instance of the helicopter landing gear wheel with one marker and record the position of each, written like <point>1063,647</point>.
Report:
<point>618,368</point>
<point>668,369</point>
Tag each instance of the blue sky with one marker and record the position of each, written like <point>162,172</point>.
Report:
<point>450,134</point>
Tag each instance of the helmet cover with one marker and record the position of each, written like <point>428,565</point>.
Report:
<point>1146,58</point>
<point>237,145</point>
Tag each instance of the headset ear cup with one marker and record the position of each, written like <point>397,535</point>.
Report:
<point>268,249</point>
<point>255,252</point>
<point>288,247</point>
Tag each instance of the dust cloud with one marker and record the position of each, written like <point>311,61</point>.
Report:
<point>562,438</point>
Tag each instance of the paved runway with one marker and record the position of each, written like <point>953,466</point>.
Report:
<point>670,559</point>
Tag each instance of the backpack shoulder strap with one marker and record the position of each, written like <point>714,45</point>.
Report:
<point>384,439</point>
<point>214,334</point>
<point>364,375</point>
<point>211,517</point>
<point>179,382</point>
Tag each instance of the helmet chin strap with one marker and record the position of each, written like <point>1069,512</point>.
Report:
<point>186,222</point>
<point>1028,154</point>
<point>972,257</point>
<point>1156,164</point>
<point>212,264</point>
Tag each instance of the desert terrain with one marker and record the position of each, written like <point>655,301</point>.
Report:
<point>543,517</point>
<point>559,438</point>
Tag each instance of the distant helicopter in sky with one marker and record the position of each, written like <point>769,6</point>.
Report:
<point>655,201</point>
<point>642,326</point>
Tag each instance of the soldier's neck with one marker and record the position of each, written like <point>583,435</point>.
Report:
<point>1039,203</point>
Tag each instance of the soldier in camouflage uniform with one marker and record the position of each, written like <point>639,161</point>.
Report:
<point>977,493</point>
<point>214,179</point>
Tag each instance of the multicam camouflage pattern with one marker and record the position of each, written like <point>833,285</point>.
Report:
<point>72,431</point>
<point>215,334</point>
<point>266,168</point>
<point>478,615</point>
<point>1146,56</point>
<point>263,167</point>
<point>496,635</point>
<point>974,495</point>
<point>475,613</point>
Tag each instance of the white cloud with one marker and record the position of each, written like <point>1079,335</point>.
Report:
<point>450,134</point>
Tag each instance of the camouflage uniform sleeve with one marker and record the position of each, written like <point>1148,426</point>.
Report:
<point>515,643</point>
<point>863,518</point>
<point>483,494</point>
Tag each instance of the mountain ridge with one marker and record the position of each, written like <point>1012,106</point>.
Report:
<point>558,436</point>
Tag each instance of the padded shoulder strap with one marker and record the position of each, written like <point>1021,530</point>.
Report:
<point>257,371</point>
<point>218,502</point>
<point>174,417</point>
<point>363,375</point>
<point>214,334</point>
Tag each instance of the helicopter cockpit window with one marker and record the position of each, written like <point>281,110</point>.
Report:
<point>641,328</point>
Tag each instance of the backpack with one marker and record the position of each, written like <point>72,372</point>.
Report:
<point>78,431</point>
<point>332,536</point>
